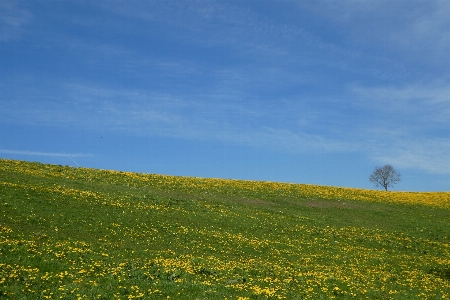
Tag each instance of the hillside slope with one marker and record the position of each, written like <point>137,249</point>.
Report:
<point>77,233</point>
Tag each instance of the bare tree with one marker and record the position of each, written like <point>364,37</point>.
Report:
<point>385,176</point>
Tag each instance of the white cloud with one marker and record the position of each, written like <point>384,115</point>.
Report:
<point>12,20</point>
<point>429,104</point>
<point>429,154</point>
<point>428,32</point>
<point>35,153</point>
<point>412,32</point>
<point>288,141</point>
<point>261,82</point>
<point>407,126</point>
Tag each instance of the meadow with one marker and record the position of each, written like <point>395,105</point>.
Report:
<point>78,233</point>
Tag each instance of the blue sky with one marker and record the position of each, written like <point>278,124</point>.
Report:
<point>315,92</point>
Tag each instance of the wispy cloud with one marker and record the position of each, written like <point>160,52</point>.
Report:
<point>409,30</point>
<point>36,153</point>
<point>292,76</point>
<point>429,154</point>
<point>428,33</point>
<point>278,127</point>
<point>12,19</point>
<point>429,103</point>
<point>406,125</point>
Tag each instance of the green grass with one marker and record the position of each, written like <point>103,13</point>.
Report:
<point>75,233</point>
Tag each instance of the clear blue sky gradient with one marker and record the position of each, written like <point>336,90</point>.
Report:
<point>315,92</point>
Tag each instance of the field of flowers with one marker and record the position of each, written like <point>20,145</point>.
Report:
<point>77,233</point>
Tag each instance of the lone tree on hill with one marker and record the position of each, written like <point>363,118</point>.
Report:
<point>385,176</point>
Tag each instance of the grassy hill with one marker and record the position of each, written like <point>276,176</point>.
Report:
<point>77,233</point>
